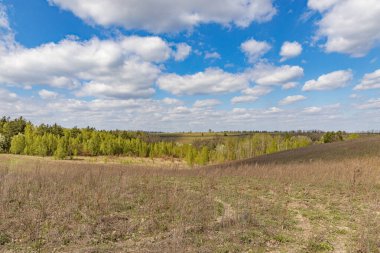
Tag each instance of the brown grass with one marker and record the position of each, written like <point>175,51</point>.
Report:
<point>314,206</point>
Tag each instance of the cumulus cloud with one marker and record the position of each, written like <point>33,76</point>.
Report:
<point>312,110</point>
<point>170,15</point>
<point>257,91</point>
<point>243,99</point>
<point>134,79</point>
<point>292,99</point>
<point>121,67</point>
<point>369,81</point>
<point>330,110</point>
<point>46,94</point>
<point>6,34</point>
<point>273,110</point>
<point>138,114</point>
<point>212,55</point>
<point>290,85</point>
<point>206,103</point>
<point>269,75</point>
<point>290,50</point>
<point>172,101</point>
<point>212,80</point>
<point>330,81</point>
<point>183,51</point>
<point>251,94</point>
<point>7,97</point>
<point>254,49</point>
<point>370,104</point>
<point>349,26</point>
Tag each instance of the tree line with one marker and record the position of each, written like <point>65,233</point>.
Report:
<point>19,136</point>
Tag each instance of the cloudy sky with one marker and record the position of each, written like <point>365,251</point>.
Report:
<point>179,65</point>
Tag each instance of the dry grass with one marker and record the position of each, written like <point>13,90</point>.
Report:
<point>317,206</point>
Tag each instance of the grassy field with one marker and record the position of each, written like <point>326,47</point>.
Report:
<point>298,205</point>
<point>364,147</point>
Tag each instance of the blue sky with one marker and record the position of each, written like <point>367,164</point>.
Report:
<point>179,66</point>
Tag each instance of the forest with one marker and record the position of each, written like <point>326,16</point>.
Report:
<point>19,136</point>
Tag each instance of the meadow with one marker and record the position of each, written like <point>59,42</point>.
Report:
<point>292,205</point>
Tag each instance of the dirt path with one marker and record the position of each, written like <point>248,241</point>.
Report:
<point>229,213</point>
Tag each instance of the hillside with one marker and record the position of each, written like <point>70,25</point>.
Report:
<point>325,205</point>
<point>366,146</point>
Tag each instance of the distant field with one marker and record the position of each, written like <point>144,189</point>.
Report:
<point>189,138</point>
<point>318,199</point>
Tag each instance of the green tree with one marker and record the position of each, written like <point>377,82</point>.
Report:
<point>18,144</point>
<point>203,156</point>
<point>62,149</point>
<point>191,155</point>
<point>94,144</point>
<point>3,143</point>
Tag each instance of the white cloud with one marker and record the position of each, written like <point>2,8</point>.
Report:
<point>290,50</point>
<point>6,34</point>
<point>243,99</point>
<point>212,80</point>
<point>257,91</point>
<point>183,51</point>
<point>329,110</point>
<point>269,75</point>
<point>137,114</point>
<point>370,104</point>
<point>134,79</point>
<point>7,97</point>
<point>274,110</point>
<point>251,94</point>
<point>172,101</point>
<point>254,49</point>
<point>169,15</point>
<point>122,67</point>
<point>292,99</point>
<point>46,94</point>
<point>350,26</point>
<point>290,85</point>
<point>206,103</point>
<point>312,110</point>
<point>322,5</point>
<point>369,81</point>
<point>330,81</point>
<point>212,55</point>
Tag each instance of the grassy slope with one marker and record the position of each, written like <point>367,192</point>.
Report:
<point>324,205</point>
<point>358,148</point>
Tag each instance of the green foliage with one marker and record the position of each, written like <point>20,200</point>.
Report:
<point>191,155</point>
<point>320,247</point>
<point>18,144</point>
<point>10,128</point>
<point>203,156</point>
<point>4,239</point>
<point>62,149</point>
<point>46,140</point>
<point>3,143</point>
<point>332,137</point>
<point>353,136</point>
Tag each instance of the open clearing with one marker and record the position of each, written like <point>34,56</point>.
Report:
<point>318,199</point>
